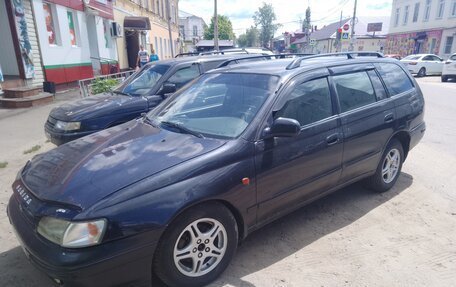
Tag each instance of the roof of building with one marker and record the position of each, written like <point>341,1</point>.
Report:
<point>210,43</point>
<point>183,14</point>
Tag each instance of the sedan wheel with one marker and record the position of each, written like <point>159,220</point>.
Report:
<point>390,165</point>
<point>422,72</point>
<point>197,246</point>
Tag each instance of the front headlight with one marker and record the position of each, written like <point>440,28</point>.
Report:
<point>67,126</point>
<point>72,234</point>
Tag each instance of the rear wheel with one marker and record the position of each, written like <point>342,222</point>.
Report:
<point>197,247</point>
<point>422,72</point>
<point>388,169</point>
<point>444,78</point>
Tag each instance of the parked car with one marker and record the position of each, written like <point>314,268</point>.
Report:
<point>176,190</point>
<point>394,56</point>
<point>424,64</point>
<point>138,94</point>
<point>449,69</point>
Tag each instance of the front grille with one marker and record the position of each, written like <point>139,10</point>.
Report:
<point>51,122</point>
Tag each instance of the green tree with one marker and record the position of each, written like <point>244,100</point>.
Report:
<point>225,29</point>
<point>264,19</point>
<point>250,38</point>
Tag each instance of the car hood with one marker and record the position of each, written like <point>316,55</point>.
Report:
<point>89,169</point>
<point>93,106</point>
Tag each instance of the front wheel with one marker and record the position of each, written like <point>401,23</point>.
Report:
<point>444,78</point>
<point>388,169</point>
<point>197,247</point>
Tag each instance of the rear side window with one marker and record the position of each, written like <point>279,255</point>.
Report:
<point>354,90</point>
<point>396,80</point>
<point>378,86</point>
<point>184,75</point>
<point>308,102</point>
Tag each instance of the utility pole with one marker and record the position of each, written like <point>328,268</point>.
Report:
<point>339,41</point>
<point>352,36</point>
<point>216,36</point>
<point>171,43</point>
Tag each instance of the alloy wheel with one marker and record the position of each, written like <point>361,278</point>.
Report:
<point>200,247</point>
<point>390,165</point>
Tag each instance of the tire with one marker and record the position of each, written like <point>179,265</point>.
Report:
<point>422,72</point>
<point>180,249</point>
<point>381,181</point>
<point>444,78</point>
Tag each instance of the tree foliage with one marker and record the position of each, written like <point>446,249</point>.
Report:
<point>251,38</point>
<point>264,20</point>
<point>225,29</point>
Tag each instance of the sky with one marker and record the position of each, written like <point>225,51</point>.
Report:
<point>288,12</point>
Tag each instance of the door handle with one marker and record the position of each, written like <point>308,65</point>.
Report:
<point>332,139</point>
<point>389,118</point>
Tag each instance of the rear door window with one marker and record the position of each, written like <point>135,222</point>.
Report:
<point>396,80</point>
<point>184,75</point>
<point>308,102</point>
<point>354,90</point>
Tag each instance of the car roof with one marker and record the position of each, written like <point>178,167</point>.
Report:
<point>278,67</point>
<point>201,59</point>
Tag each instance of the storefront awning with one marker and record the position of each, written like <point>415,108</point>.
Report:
<point>137,23</point>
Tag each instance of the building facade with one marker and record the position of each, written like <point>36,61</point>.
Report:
<point>422,26</point>
<point>75,38</point>
<point>191,30</point>
<point>145,22</point>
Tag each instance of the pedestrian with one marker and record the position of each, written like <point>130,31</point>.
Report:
<point>143,57</point>
<point>153,56</point>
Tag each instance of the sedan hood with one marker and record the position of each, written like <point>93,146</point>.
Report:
<point>93,106</point>
<point>87,170</point>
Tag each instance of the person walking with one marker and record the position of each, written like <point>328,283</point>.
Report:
<point>143,57</point>
<point>153,56</point>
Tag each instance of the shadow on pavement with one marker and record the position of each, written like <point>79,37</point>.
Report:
<point>287,234</point>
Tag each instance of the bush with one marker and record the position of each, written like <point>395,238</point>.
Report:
<point>103,85</point>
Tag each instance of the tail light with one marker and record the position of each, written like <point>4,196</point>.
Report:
<point>413,63</point>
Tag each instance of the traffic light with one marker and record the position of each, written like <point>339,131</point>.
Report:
<point>339,34</point>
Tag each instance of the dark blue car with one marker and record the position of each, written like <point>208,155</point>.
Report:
<point>140,93</point>
<point>174,192</point>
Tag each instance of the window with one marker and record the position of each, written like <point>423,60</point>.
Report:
<point>165,51</point>
<point>161,48</point>
<point>184,75</point>
<point>354,90</point>
<point>173,14</point>
<point>144,82</point>
<point>195,31</point>
<point>432,46</point>
<point>72,28</point>
<point>182,31</point>
<point>448,45</point>
<point>309,102</point>
<point>156,45</point>
<point>427,11</point>
<point>107,34</point>
<point>396,20</point>
<point>440,9</point>
<point>453,9</point>
<point>157,7</point>
<point>406,15</point>
<point>416,12</point>
<point>52,29</point>
<point>396,80</point>
<point>378,86</point>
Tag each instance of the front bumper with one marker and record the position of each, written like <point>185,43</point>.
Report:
<point>127,261</point>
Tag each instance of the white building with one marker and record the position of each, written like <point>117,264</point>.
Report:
<point>422,26</point>
<point>191,29</point>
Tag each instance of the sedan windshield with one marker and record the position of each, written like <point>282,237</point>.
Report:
<point>216,105</point>
<point>143,82</point>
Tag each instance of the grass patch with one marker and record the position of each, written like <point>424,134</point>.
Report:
<point>33,149</point>
<point>3,164</point>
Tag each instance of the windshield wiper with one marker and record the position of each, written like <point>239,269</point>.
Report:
<point>182,128</point>
<point>120,93</point>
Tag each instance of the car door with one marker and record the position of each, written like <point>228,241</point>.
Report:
<point>367,116</point>
<point>438,64</point>
<point>429,64</point>
<point>294,169</point>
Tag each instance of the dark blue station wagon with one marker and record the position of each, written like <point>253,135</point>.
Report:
<point>174,192</point>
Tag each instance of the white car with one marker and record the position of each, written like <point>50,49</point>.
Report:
<point>449,69</point>
<point>424,64</point>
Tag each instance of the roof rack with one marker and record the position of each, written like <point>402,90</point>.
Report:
<point>297,62</point>
<point>276,56</point>
<point>186,54</point>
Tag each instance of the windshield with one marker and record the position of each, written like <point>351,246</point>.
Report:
<point>216,105</point>
<point>143,82</point>
<point>412,57</point>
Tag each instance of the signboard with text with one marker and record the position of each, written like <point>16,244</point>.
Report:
<point>374,27</point>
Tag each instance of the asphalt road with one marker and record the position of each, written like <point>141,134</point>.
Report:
<point>405,237</point>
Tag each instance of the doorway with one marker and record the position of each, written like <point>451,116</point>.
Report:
<point>132,41</point>
<point>93,44</point>
<point>8,60</point>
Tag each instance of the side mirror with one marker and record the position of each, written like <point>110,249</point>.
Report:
<point>283,127</point>
<point>168,88</point>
